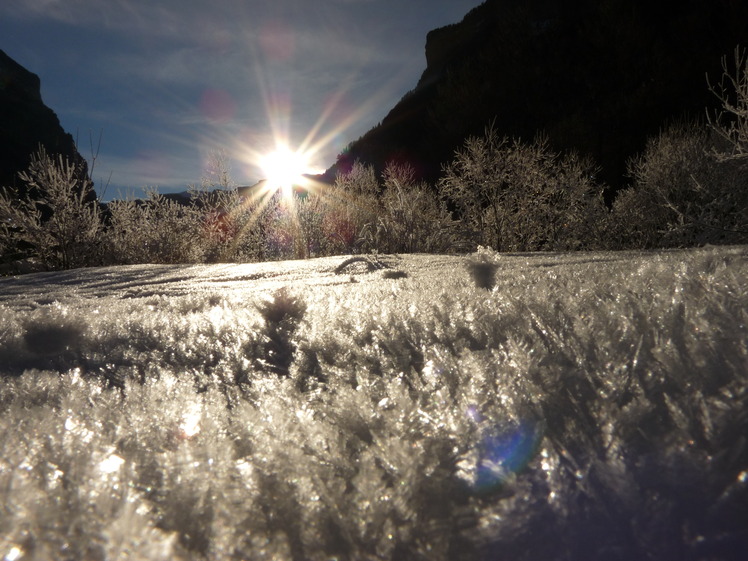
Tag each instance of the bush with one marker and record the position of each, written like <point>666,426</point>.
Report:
<point>350,204</point>
<point>56,220</point>
<point>410,217</point>
<point>157,230</point>
<point>237,227</point>
<point>524,197</point>
<point>731,122</point>
<point>684,193</point>
<point>690,186</point>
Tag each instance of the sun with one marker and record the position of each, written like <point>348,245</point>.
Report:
<point>284,168</point>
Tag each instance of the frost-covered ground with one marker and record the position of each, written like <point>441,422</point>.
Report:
<point>583,406</point>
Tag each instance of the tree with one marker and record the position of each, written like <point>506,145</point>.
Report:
<point>524,197</point>
<point>57,219</point>
<point>731,122</point>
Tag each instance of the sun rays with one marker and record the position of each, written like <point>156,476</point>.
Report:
<point>284,168</point>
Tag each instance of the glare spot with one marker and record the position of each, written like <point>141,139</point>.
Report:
<point>75,429</point>
<point>217,316</point>
<point>743,476</point>
<point>244,467</point>
<point>111,464</point>
<point>55,476</point>
<point>305,415</point>
<point>284,168</point>
<point>428,368</point>
<point>169,381</point>
<point>14,553</point>
<point>190,424</point>
<point>474,414</point>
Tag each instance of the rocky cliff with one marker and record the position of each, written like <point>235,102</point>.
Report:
<point>595,76</point>
<point>26,123</point>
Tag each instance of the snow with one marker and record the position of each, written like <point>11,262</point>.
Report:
<point>379,407</point>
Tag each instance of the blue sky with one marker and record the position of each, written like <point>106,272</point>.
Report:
<point>168,82</point>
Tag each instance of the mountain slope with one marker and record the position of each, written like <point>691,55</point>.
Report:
<point>27,122</point>
<point>595,76</point>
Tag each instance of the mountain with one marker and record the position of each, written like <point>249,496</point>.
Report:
<point>27,122</point>
<point>596,76</point>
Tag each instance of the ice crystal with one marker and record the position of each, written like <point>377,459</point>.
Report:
<point>587,405</point>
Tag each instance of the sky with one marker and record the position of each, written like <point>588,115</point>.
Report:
<point>155,88</point>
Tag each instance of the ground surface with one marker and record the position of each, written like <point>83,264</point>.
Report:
<point>545,406</point>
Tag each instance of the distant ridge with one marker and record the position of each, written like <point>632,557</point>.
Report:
<point>595,76</point>
<point>25,122</point>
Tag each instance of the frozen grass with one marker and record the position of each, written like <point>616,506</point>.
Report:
<point>572,406</point>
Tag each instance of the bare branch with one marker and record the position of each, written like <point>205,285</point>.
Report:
<point>730,123</point>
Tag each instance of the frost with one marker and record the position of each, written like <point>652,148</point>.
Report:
<point>585,404</point>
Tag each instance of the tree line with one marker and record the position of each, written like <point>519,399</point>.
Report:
<point>689,187</point>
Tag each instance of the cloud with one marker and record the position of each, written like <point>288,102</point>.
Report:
<point>168,172</point>
<point>135,16</point>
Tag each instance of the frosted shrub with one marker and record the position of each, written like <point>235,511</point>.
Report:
<point>691,183</point>
<point>236,227</point>
<point>296,229</point>
<point>684,194</point>
<point>57,220</point>
<point>126,232</point>
<point>233,225</point>
<point>731,122</point>
<point>411,218</point>
<point>157,230</point>
<point>313,240</point>
<point>350,204</point>
<point>281,231</point>
<point>524,197</point>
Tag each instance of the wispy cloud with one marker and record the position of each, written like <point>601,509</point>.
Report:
<point>146,169</point>
<point>136,16</point>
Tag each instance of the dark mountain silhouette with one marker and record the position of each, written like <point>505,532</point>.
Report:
<point>596,76</point>
<point>25,123</point>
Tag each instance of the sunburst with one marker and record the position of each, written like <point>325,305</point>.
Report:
<point>284,168</point>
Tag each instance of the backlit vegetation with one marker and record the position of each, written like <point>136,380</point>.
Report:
<point>689,187</point>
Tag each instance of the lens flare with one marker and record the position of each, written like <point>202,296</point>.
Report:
<point>218,106</point>
<point>503,454</point>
